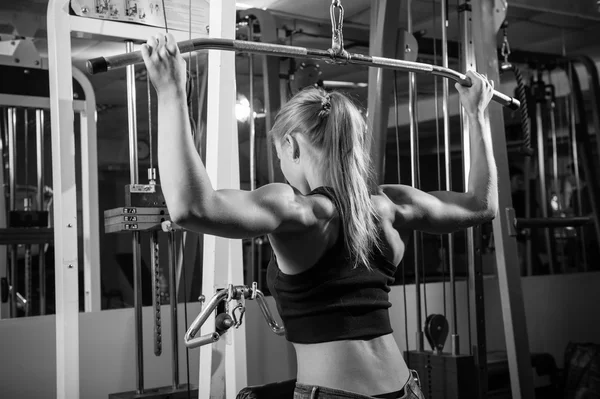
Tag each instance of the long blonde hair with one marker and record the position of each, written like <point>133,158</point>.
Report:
<point>334,124</point>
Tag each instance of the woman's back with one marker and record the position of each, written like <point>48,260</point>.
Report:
<point>322,307</point>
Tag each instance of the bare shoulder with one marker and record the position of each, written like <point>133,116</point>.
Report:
<point>384,206</point>
<point>285,198</point>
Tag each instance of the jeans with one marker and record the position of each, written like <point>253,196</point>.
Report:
<point>412,390</point>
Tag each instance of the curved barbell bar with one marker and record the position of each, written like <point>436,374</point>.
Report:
<point>231,293</point>
<point>103,64</point>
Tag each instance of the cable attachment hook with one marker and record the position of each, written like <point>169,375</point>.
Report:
<point>241,310</point>
<point>337,36</point>
<point>505,51</point>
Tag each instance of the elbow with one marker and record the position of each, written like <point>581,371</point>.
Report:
<point>484,210</point>
<point>185,213</point>
<point>489,211</point>
<point>179,216</point>
<point>489,214</point>
<point>185,217</point>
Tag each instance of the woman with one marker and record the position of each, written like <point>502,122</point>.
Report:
<point>336,236</point>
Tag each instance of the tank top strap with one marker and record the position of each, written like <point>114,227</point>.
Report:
<point>327,192</point>
<point>330,193</point>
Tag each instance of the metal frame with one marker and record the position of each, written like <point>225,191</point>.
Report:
<point>4,307</point>
<point>91,243</point>
<point>226,174</point>
<point>383,15</point>
<point>222,258</point>
<point>509,279</point>
<point>61,104</point>
<point>271,83</point>
<point>477,336</point>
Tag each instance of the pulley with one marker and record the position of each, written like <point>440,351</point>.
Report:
<point>436,331</point>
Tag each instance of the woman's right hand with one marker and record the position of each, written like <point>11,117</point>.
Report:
<point>476,98</point>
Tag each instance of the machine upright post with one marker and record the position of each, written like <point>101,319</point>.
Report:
<point>39,134</point>
<point>415,182</point>
<point>222,258</point>
<point>384,30</point>
<point>12,203</point>
<point>64,183</point>
<point>509,279</point>
<point>477,337</point>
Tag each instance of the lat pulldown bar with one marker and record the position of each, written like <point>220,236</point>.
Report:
<point>103,64</point>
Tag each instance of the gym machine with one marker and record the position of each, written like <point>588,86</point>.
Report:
<point>337,51</point>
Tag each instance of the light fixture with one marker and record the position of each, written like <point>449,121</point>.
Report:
<point>242,108</point>
<point>336,84</point>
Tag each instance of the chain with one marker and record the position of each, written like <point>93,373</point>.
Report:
<point>337,24</point>
<point>156,294</point>
<point>505,44</point>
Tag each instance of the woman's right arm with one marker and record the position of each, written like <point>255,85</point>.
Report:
<point>447,211</point>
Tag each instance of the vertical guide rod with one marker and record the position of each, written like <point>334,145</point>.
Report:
<point>555,178</point>
<point>541,158</point>
<point>27,207</point>
<point>509,279</point>
<point>414,177</point>
<point>39,134</point>
<point>448,170</point>
<point>173,305</point>
<point>555,182</point>
<point>12,185</point>
<point>137,261</point>
<point>573,133</point>
<point>253,266</point>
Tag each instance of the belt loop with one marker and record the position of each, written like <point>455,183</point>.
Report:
<point>313,394</point>
<point>416,377</point>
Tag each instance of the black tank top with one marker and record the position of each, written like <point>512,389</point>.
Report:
<point>333,301</point>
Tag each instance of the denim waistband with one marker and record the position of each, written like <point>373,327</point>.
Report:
<point>302,391</point>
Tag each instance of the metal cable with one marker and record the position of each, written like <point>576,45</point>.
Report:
<point>396,127</point>
<point>401,263</point>
<point>437,145</point>
<point>405,313</point>
<point>193,125</point>
<point>150,144</point>
<point>165,16</point>
<point>26,154</point>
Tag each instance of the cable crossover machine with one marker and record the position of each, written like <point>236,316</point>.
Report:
<point>145,209</point>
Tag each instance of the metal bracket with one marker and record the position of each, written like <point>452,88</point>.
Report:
<point>511,222</point>
<point>18,48</point>
<point>239,293</point>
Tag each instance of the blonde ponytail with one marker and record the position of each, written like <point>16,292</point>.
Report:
<point>335,125</point>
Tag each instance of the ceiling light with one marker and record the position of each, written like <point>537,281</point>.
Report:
<point>242,108</point>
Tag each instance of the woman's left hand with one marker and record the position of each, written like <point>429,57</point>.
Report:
<point>165,65</point>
